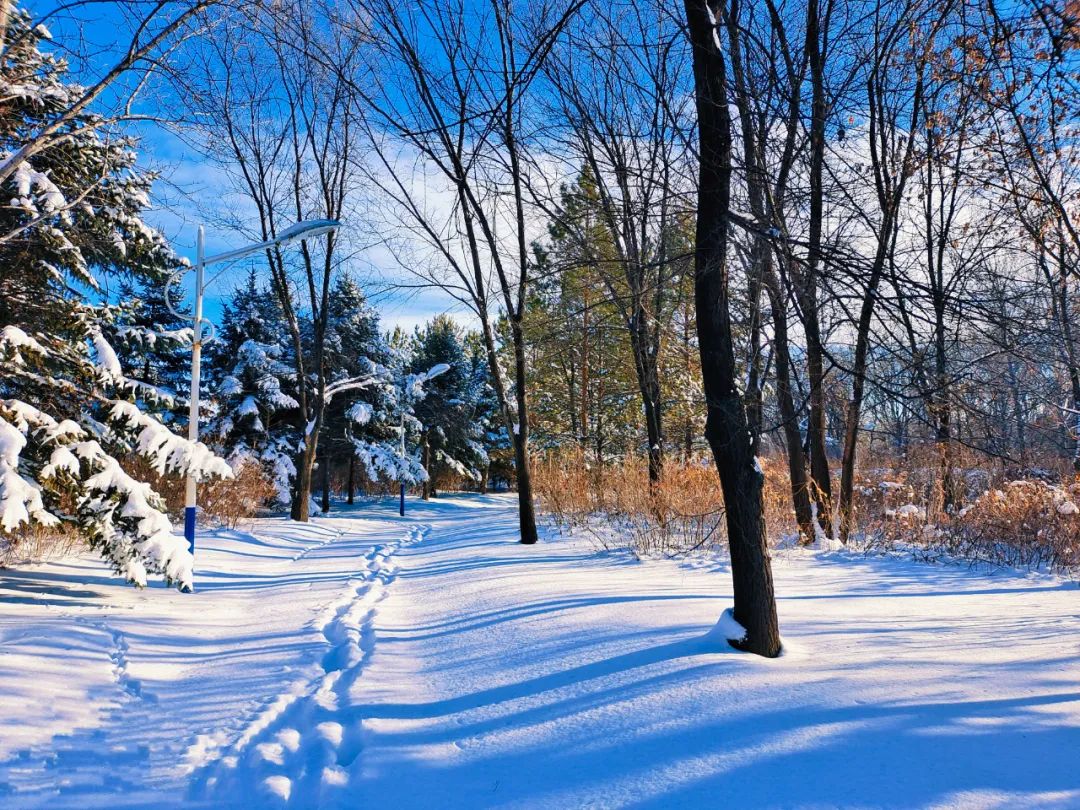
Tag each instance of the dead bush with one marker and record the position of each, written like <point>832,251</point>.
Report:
<point>1027,523</point>
<point>34,542</point>
<point>616,505</point>
<point>226,501</point>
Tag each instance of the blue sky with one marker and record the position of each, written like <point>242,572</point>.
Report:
<point>192,188</point>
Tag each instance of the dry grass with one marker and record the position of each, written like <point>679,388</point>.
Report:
<point>31,543</point>
<point>616,505</point>
<point>1026,523</point>
<point>1018,523</point>
<point>227,502</point>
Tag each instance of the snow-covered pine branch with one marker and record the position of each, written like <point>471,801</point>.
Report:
<point>69,416</point>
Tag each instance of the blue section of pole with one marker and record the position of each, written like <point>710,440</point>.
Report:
<point>189,528</point>
<point>401,510</point>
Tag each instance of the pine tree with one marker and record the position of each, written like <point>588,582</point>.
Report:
<point>355,348</point>
<point>491,443</point>
<point>68,413</point>
<point>156,344</point>
<point>449,436</point>
<point>581,370</point>
<point>381,433</point>
<point>252,382</point>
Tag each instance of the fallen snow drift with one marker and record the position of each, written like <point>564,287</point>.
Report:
<point>368,661</point>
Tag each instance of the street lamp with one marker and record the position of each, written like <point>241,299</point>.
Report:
<point>301,230</point>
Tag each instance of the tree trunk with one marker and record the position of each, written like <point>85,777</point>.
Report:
<point>425,459</point>
<point>1062,312</point>
<point>583,416</point>
<point>326,483</point>
<point>527,513</point>
<point>821,483</point>
<point>858,387</point>
<point>800,484</point>
<point>808,293</point>
<point>649,387</point>
<point>726,428</point>
<point>763,274</point>
<point>352,477</point>
<point>301,505</point>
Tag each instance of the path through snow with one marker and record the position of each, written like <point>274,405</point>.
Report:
<point>363,661</point>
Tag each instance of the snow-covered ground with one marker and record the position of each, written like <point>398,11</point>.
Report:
<point>431,662</point>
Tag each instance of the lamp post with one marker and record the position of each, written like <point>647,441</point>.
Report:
<point>301,230</point>
<point>401,506</point>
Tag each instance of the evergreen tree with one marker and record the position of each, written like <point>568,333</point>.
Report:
<point>364,415</point>
<point>491,443</point>
<point>253,382</point>
<point>450,438</point>
<point>581,368</point>
<point>68,413</point>
<point>387,447</point>
<point>156,345</point>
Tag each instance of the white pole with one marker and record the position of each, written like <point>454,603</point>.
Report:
<point>193,408</point>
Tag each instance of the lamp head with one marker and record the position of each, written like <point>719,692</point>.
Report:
<point>307,229</point>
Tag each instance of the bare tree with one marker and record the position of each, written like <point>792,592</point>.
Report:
<point>452,101</point>
<point>156,28</point>
<point>898,59</point>
<point>284,128</point>
<point>616,82</point>
<point>726,429</point>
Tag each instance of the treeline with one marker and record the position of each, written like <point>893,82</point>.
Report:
<point>816,230</point>
<point>389,419</point>
<point>902,251</point>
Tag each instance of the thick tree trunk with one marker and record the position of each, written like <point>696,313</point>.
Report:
<point>526,509</point>
<point>352,477</point>
<point>726,428</point>
<point>305,464</point>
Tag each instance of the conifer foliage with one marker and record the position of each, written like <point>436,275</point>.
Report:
<point>69,414</point>
<point>253,383</point>
<point>451,436</point>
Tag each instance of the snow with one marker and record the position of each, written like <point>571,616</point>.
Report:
<point>361,413</point>
<point>14,338</point>
<point>20,497</point>
<point>906,512</point>
<point>364,660</point>
<point>727,628</point>
<point>26,179</point>
<point>107,360</point>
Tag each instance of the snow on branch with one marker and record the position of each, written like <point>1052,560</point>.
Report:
<point>167,451</point>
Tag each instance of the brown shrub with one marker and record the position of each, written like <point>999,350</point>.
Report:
<point>615,503</point>
<point>226,501</point>
<point>1018,523</point>
<point>1025,523</point>
<point>34,542</point>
